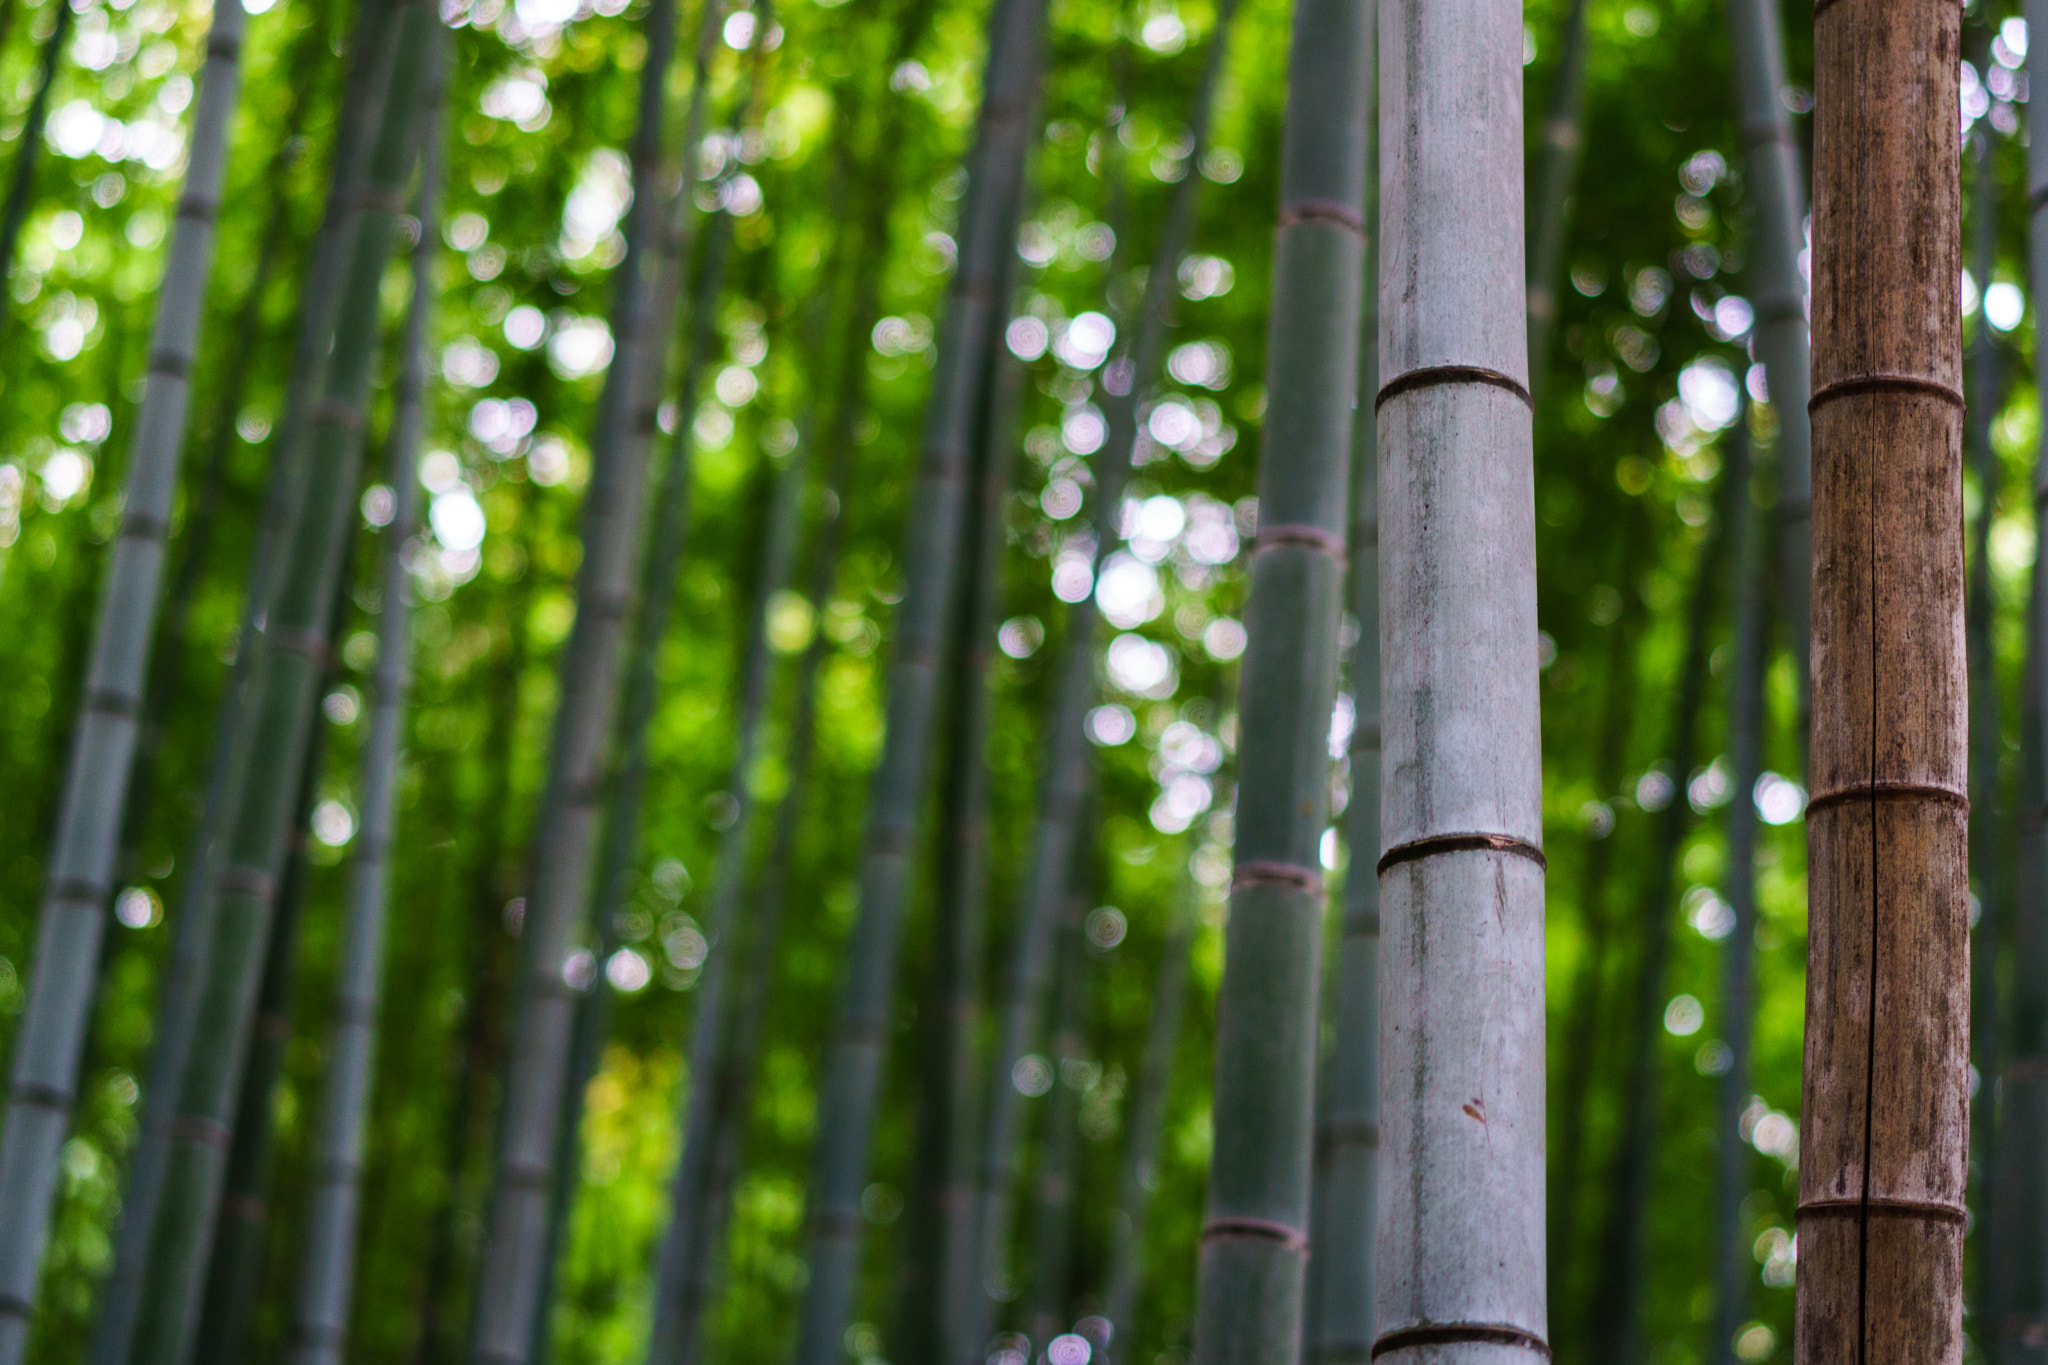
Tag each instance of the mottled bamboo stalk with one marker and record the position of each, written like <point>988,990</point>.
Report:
<point>1557,167</point>
<point>851,1079</point>
<point>44,1076</point>
<point>1776,181</point>
<point>281,718</point>
<point>1255,1241</point>
<point>1884,1112</point>
<point>327,1258</point>
<point>1459,1264</point>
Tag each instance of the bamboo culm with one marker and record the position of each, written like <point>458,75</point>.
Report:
<point>1774,177</point>
<point>327,1259</point>
<point>1054,1212</point>
<point>1732,1157</point>
<point>1557,167</point>
<point>2023,1116</point>
<point>374,54</point>
<point>51,1035</point>
<point>1340,1294</point>
<point>1459,1251</point>
<point>29,153</point>
<point>512,1268</point>
<point>281,719</point>
<point>1884,1108</point>
<point>1065,776</point>
<point>851,1078</point>
<point>1252,1279</point>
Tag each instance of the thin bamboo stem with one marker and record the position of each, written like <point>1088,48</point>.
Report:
<point>29,153</point>
<point>1557,167</point>
<point>1058,1158</point>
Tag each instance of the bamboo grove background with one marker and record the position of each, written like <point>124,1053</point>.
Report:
<point>829,192</point>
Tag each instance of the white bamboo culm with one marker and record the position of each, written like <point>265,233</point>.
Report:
<point>327,1261</point>
<point>46,1054</point>
<point>1460,1238</point>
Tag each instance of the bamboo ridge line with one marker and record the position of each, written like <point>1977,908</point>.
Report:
<point>1431,376</point>
<point>1454,1333</point>
<point>1298,211</point>
<point>1278,874</point>
<point>1430,845</point>
<point>1882,382</point>
<point>1290,1238</point>
<point>1300,537</point>
<point>1877,1206</point>
<point>1886,790</point>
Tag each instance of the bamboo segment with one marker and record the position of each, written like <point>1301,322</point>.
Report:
<point>1884,1108</point>
<point>52,1031</point>
<point>1775,180</point>
<point>1255,1240</point>
<point>851,1080</point>
<point>1459,1246</point>
<point>328,1256</point>
<point>29,149</point>
<point>1558,163</point>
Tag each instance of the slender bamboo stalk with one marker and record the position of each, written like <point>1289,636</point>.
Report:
<point>1340,1287</point>
<point>73,920</point>
<point>1459,1264</point>
<point>1065,776</point>
<point>327,1259</point>
<point>1054,1213</point>
<point>1255,1242</point>
<point>1732,1158</point>
<point>2022,1338</point>
<point>851,1079</point>
<point>1778,185</point>
<point>280,721</point>
<point>374,53</point>
<point>1884,1115</point>
<point>512,1268</point>
<point>1618,1298</point>
<point>1557,166</point>
<point>28,155</point>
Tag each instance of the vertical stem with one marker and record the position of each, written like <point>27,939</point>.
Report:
<point>1460,1265</point>
<point>1883,1159</point>
<point>28,155</point>
<point>327,1258</point>
<point>1051,1289</point>
<point>44,1075</point>
<point>1557,165</point>
<point>1255,1242</point>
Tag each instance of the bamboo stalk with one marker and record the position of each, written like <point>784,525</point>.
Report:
<point>28,155</point>
<point>1884,1111</point>
<point>1054,1212</point>
<point>1557,166</point>
<point>1732,1159</point>
<point>47,1046</point>
<point>851,1082</point>
<point>1777,182</point>
<point>1459,1266</point>
<point>1255,1242</point>
<point>280,721</point>
<point>326,1281</point>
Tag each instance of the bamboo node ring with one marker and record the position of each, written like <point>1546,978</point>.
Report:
<point>1431,376</point>
<point>204,1131</point>
<point>108,702</point>
<point>1301,878</point>
<point>1331,211</point>
<point>41,1096</point>
<point>1430,845</point>
<point>1289,1237</point>
<point>1885,789</point>
<point>1451,1333</point>
<point>1300,537</point>
<point>1880,382</point>
<point>1876,1207</point>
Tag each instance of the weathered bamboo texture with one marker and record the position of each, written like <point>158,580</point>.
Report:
<point>1255,1240</point>
<point>1053,1215</point>
<point>1778,184</point>
<point>1459,1265</point>
<point>373,53</point>
<point>2022,1251</point>
<point>29,151</point>
<point>971,327</point>
<point>1065,777</point>
<point>511,1268</point>
<point>47,1047</point>
<point>284,689</point>
<point>1732,1157</point>
<point>1884,1112</point>
<point>1340,1294</point>
<point>327,1259</point>
<point>1556,167</point>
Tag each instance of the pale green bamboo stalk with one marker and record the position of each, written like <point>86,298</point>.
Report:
<point>44,1075</point>
<point>1065,776</point>
<point>327,1259</point>
<point>851,1078</point>
<point>512,1268</point>
<point>1778,183</point>
<point>1255,1238</point>
<point>1340,1288</point>
<point>1557,166</point>
<point>281,719</point>
<point>1459,1265</point>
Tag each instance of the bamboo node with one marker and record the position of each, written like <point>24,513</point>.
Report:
<point>1294,875</point>
<point>1879,382</point>
<point>1430,845</point>
<point>1289,1237</point>
<point>1431,376</point>
<point>1334,212</point>
<point>204,1131</point>
<point>1451,1333</point>
<point>78,891</point>
<point>169,362</point>
<point>248,880</point>
<point>40,1096</point>
<point>1881,1207</point>
<point>1886,789</point>
<point>109,702</point>
<point>142,526</point>
<point>1300,537</point>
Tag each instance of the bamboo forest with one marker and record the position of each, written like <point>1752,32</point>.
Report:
<point>1022,682</point>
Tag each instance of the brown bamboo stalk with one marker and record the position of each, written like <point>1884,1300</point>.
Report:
<point>1883,1151</point>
